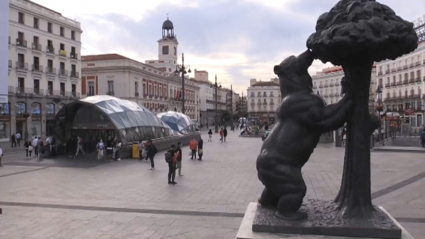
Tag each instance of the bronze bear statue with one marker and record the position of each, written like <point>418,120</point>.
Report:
<point>302,117</point>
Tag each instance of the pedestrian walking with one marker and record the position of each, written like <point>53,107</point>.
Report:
<point>13,139</point>
<point>200,148</point>
<point>114,149</point>
<point>100,149</point>
<point>171,158</point>
<point>179,158</point>
<point>80,146</point>
<point>141,147</point>
<point>210,135</point>
<point>35,145</point>
<point>49,144</point>
<point>151,153</point>
<point>18,138</point>
<point>224,134</point>
<point>221,135</point>
<point>1,156</point>
<point>118,150</point>
<point>193,145</point>
<point>40,149</point>
<point>28,148</point>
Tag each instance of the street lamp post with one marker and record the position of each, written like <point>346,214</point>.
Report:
<point>379,108</point>
<point>182,69</point>
<point>215,85</point>
<point>231,108</point>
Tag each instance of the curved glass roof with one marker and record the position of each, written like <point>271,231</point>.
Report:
<point>124,113</point>
<point>131,121</point>
<point>178,121</point>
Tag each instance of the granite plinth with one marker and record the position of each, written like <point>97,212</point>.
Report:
<point>245,230</point>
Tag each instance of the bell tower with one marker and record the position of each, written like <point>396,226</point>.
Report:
<point>167,46</point>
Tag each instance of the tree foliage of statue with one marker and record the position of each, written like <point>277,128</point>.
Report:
<point>355,34</point>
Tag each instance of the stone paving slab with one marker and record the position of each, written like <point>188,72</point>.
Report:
<point>225,181</point>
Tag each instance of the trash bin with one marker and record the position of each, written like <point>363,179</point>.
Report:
<point>135,149</point>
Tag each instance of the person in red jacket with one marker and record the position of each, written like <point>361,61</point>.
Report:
<point>221,135</point>
<point>193,145</point>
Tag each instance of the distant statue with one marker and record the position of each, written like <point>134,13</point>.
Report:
<point>302,117</point>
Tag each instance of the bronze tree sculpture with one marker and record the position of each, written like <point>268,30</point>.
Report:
<point>355,34</point>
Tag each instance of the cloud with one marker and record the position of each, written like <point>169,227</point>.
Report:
<point>235,39</point>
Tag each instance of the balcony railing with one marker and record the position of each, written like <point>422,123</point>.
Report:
<point>75,74</point>
<point>326,85</point>
<point>110,93</point>
<point>405,67</point>
<point>393,70</point>
<point>387,71</point>
<point>405,82</point>
<point>379,73</point>
<point>63,72</point>
<point>37,68</point>
<point>21,43</point>
<point>417,63</point>
<point>51,70</point>
<point>417,79</point>
<point>411,80</point>
<point>21,65</point>
<point>331,84</point>
<point>393,84</point>
<point>411,65</point>
<point>387,85</point>
<point>73,55</point>
<point>399,68</point>
<point>320,86</point>
<point>50,50</point>
<point>399,83</point>
<point>36,46</point>
<point>62,53</point>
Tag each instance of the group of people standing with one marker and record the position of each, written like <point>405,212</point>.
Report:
<point>147,151</point>
<point>223,135</point>
<point>174,157</point>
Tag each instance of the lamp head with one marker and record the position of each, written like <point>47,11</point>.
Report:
<point>190,71</point>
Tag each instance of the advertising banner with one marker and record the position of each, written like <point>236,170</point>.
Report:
<point>4,50</point>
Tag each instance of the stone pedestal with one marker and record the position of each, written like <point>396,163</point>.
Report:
<point>246,232</point>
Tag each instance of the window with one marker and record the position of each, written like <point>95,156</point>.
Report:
<point>110,87</point>
<point>50,109</point>
<point>164,50</point>
<point>50,66</point>
<point>62,31</point>
<point>49,48</point>
<point>62,89</point>
<point>36,66</point>
<point>21,85</point>
<point>35,22</point>
<point>91,88</point>
<point>175,53</point>
<point>21,40</point>
<point>419,120</point>
<point>136,88</point>
<point>144,89</point>
<point>36,86</point>
<point>156,90</point>
<point>62,66</point>
<point>50,87</point>
<point>74,90</point>
<point>413,105</point>
<point>50,27</point>
<point>150,89</point>
<point>73,35</point>
<point>21,18</point>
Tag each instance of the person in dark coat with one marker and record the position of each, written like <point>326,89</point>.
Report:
<point>200,148</point>
<point>151,153</point>
<point>225,134</point>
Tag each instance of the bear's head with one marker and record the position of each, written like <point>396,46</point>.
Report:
<point>293,74</point>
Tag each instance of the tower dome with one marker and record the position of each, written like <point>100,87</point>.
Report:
<point>167,25</point>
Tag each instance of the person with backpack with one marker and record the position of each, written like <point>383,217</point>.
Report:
<point>151,153</point>
<point>210,135</point>
<point>100,149</point>
<point>171,157</point>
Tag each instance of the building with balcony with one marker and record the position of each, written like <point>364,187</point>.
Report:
<point>44,69</point>
<point>327,84</point>
<point>403,81</point>
<point>122,77</point>
<point>263,98</point>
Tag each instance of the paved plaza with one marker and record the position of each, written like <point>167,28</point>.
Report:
<point>126,200</point>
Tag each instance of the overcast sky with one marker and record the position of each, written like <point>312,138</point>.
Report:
<point>235,39</point>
